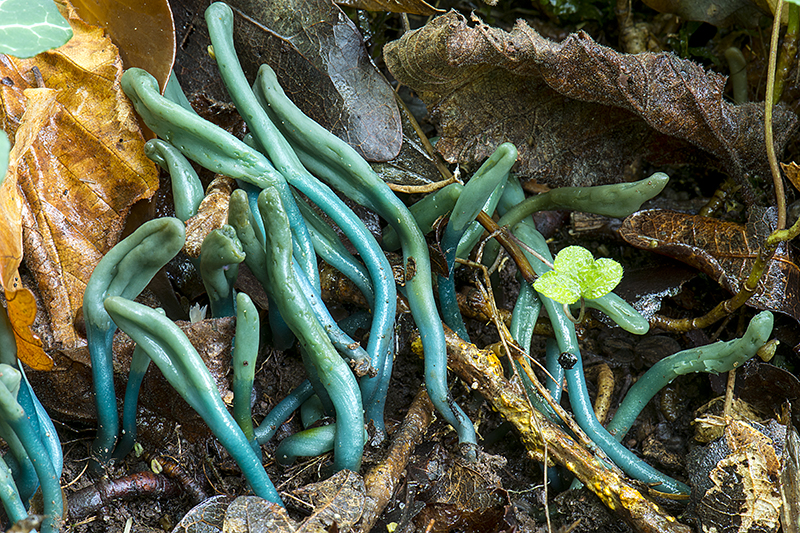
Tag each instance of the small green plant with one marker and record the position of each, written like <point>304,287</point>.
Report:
<point>576,274</point>
<point>28,27</point>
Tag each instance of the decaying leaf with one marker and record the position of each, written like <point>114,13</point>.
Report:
<point>790,482</point>
<point>77,157</point>
<point>412,7</point>
<point>251,514</point>
<point>321,63</point>
<point>743,495</point>
<point>725,251</point>
<point>792,172</point>
<point>337,504</point>
<point>338,500</point>
<point>717,12</point>
<point>578,112</point>
<point>416,168</point>
<point>206,517</point>
<point>143,31</point>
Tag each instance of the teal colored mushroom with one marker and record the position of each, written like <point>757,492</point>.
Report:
<point>124,271</point>
<point>172,352</point>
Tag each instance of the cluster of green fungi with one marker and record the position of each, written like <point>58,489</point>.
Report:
<point>286,162</point>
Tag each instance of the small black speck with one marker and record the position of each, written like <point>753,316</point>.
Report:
<point>7,81</point>
<point>567,360</point>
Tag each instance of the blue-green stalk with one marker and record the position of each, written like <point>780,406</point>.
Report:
<point>187,190</point>
<point>307,443</point>
<point>578,394</point>
<point>213,148</point>
<point>25,476</point>
<point>344,343</point>
<point>15,421</point>
<point>564,330</point>
<point>333,372</point>
<point>124,271</point>
<point>140,362</point>
<point>713,358</point>
<point>220,255</point>
<point>220,23</point>
<point>245,353</point>
<point>9,495</point>
<point>332,159</point>
<point>281,412</point>
<point>490,177</point>
<point>618,200</point>
<point>181,365</point>
<point>329,248</point>
<point>426,212</point>
<point>250,231</point>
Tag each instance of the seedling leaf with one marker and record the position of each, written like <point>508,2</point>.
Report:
<point>558,286</point>
<point>576,273</point>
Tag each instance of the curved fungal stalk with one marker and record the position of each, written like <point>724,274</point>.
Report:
<point>332,371</point>
<point>124,271</point>
<point>172,352</point>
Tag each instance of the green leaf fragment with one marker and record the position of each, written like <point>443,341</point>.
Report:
<point>29,27</point>
<point>558,286</point>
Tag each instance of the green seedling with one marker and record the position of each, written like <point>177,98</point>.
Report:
<point>577,275</point>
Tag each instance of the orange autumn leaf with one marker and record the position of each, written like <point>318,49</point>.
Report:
<point>21,314</point>
<point>76,168</point>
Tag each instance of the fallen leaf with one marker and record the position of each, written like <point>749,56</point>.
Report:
<point>792,172</point>
<point>321,63</point>
<point>416,168</point>
<point>22,314</point>
<point>578,112</point>
<point>28,27</point>
<point>78,165</point>
<point>723,250</point>
<point>206,517</point>
<point>412,7</point>
<point>744,493</point>
<point>717,12</point>
<point>336,502</point>
<point>251,514</point>
<point>142,29</point>
<point>790,482</point>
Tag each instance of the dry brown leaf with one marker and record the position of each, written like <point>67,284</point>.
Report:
<point>723,250</point>
<point>77,167</point>
<point>792,171</point>
<point>578,112</point>
<point>412,7</point>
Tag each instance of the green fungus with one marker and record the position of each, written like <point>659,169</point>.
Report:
<point>332,371</point>
<point>220,255</point>
<point>124,271</point>
<point>172,352</point>
<point>713,358</point>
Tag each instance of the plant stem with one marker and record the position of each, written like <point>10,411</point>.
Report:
<point>769,102</point>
